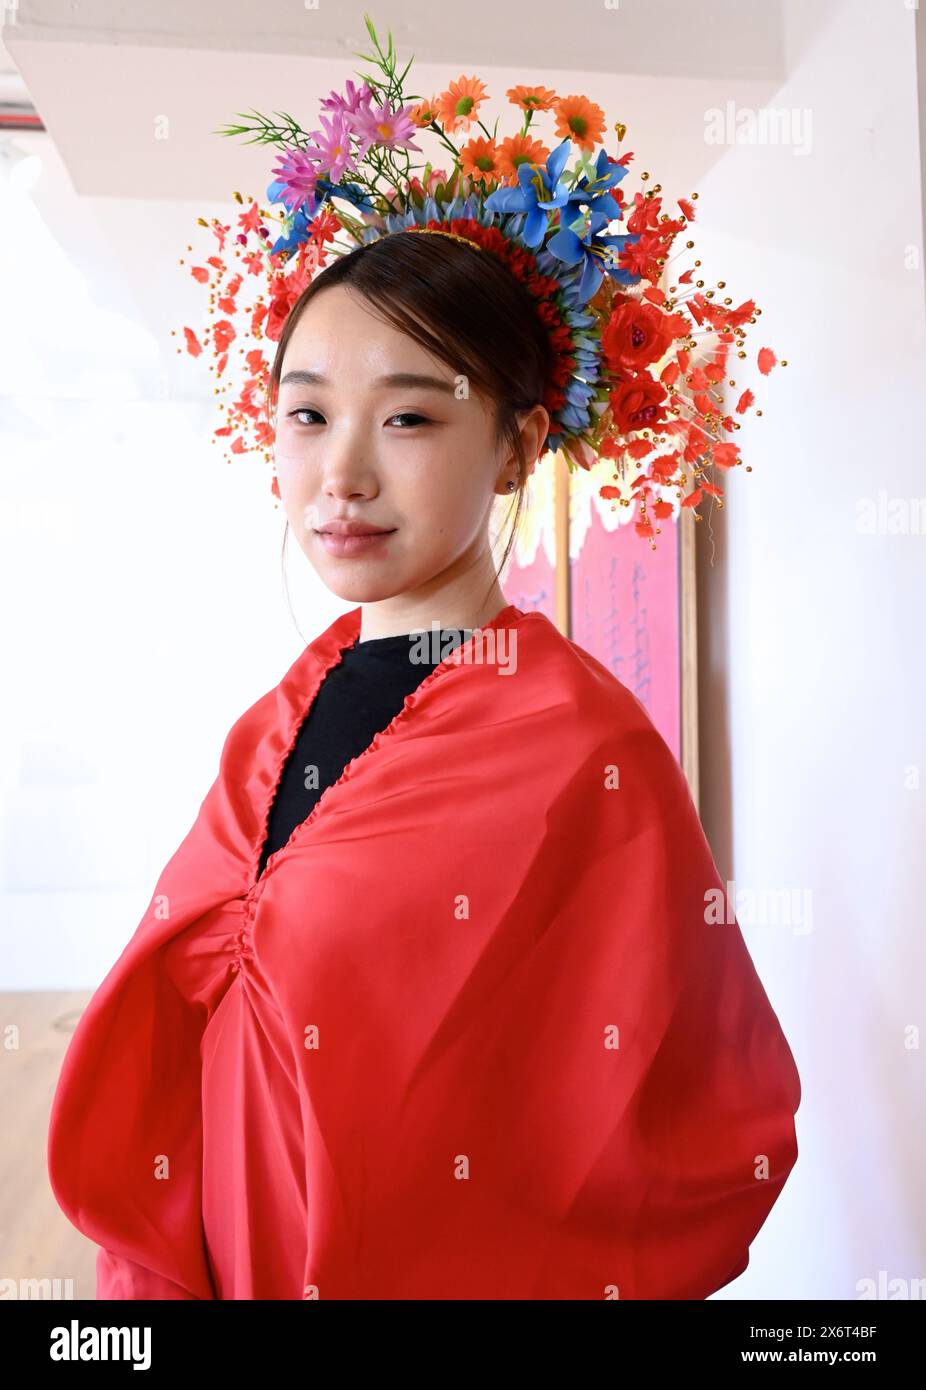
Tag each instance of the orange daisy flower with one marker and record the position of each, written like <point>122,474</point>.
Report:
<point>478,159</point>
<point>580,120</point>
<point>531,98</point>
<point>459,104</point>
<point>425,112</point>
<point>518,150</point>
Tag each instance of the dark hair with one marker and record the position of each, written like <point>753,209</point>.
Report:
<point>461,304</point>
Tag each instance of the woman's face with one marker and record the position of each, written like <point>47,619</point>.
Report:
<point>372,428</point>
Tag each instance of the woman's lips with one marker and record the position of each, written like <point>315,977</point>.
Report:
<point>352,545</point>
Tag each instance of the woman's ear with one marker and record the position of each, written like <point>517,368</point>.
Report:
<point>534,425</point>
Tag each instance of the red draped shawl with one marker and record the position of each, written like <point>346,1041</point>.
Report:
<point>473,1033</point>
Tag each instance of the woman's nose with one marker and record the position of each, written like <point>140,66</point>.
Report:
<point>347,469</point>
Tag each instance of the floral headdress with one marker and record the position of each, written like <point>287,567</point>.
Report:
<point>637,372</point>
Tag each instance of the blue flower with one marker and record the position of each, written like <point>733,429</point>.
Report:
<point>597,254</point>
<point>539,192</point>
<point>594,194</point>
<point>298,233</point>
<point>351,193</point>
<point>300,221</point>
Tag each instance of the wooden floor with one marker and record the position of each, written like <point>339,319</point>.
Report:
<point>37,1242</point>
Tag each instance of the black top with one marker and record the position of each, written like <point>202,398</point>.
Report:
<point>357,699</point>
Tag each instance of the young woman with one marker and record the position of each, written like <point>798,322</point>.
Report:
<point>429,1003</point>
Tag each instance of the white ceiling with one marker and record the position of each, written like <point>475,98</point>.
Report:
<point>102,73</point>
<point>731,38</point>
<point>121,203</point>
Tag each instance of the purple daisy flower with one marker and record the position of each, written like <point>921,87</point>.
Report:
<point>332,148</point>
<point>383,126</point>
<point>351,102</point>
<point>296,175</point>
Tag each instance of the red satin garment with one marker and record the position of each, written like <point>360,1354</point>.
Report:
<point>468,1036</point>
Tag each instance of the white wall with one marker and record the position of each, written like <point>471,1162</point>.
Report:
<point>823,668</point>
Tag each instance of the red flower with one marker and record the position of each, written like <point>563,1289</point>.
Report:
<point>637,404</point>
<point>636,334</point>
<point>280,305</point>
<point>664,467</point>
<point>726,455</point>
<point>223,335</point>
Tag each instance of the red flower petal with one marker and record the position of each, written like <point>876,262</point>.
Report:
<point>725,455</point>
<point>639,448</point>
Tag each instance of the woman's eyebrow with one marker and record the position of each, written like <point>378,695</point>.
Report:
<point>435,383</point>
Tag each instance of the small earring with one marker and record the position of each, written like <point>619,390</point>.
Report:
<point>510,485</point>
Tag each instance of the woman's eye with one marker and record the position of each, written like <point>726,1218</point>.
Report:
<point>406,415</point>
<point>409,415</point>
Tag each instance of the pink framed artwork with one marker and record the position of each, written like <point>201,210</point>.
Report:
<point>579,560</point>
